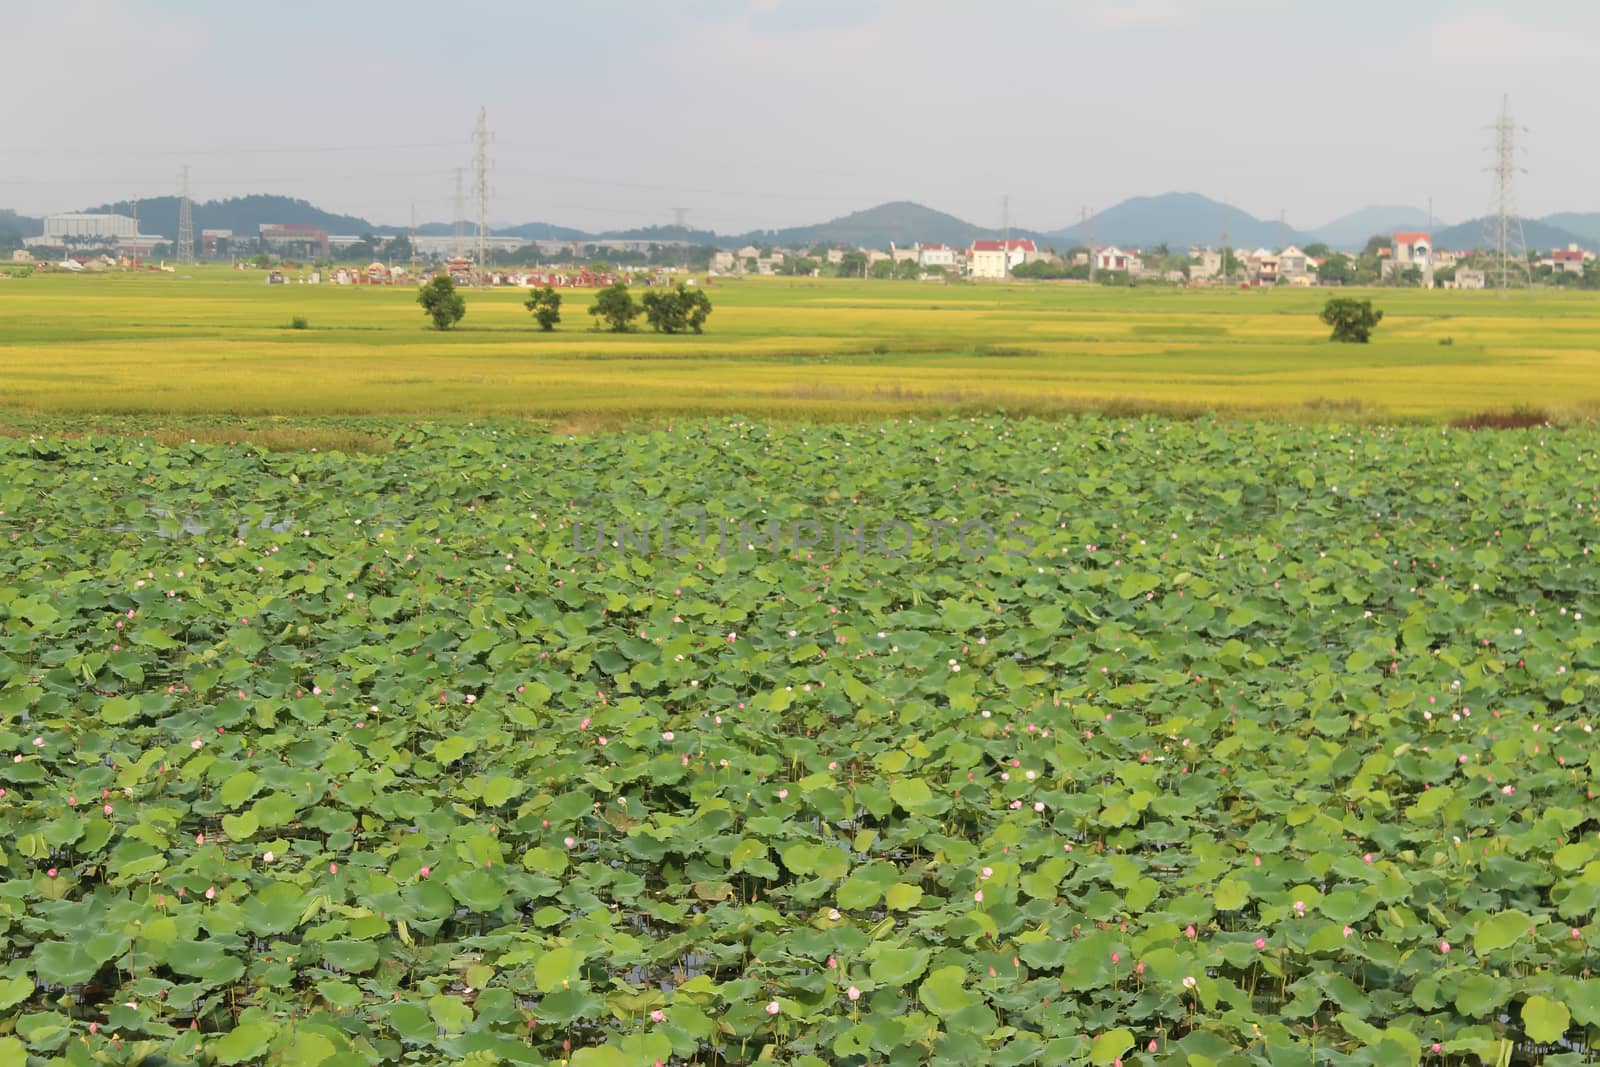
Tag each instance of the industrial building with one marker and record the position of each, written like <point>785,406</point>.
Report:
<point>59,229</point>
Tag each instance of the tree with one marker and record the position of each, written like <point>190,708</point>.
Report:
<point>907,270</point>
<point>546,307</point>
<point>677,309</point>
<point>1336,270</point>
<point>442,303</point>
<point>853,264</point>
<point>1318,250</point>
<point>884,268</point>
<point>1377,242</point>
<point>615,308</point>
<point>1352,320</point>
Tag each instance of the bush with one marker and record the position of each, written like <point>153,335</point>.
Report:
<point>299,322</point>
<point>1352,320</point>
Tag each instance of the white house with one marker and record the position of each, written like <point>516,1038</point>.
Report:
<point>1113,258</point>
<point>1293,263</point>
<point>934,254</point>
<point>994,259</point>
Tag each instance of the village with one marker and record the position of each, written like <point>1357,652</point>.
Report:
<point>306,254</point>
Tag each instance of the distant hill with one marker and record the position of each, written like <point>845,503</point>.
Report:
<point>542,231</point>
<point>1179,220</point>
<point>1586,224</point>
<point>901,223</point>
<point>14,227</point>
<point>1539,235</point>
<point>242,215</point>
<point>1351,232</point>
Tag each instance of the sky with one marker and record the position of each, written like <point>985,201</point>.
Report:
<point>607,114</point>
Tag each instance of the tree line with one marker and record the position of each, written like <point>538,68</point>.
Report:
<point>676,310</point>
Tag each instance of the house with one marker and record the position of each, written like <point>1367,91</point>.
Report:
<point>1114,258</point>
<point>1208,264</point>
<point>934,254</point>
<point>21,255</point>
<point>1414,248</point>
<point>722,260</point>
<point>903,255</point>
<point>836,255</point>
<point>1293,263</point>
<point>995,259</point>
<point>1469,278</point>
<point>1569,260</point>
<point>746,254</point>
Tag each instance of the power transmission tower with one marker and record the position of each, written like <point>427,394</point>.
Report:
<point>185,222</point>
<point>459,248</point>
<point>1283,230</point>
<point>1503,226</point>
<point>1224,265</point>
<point>1089,220</point>
<point>680,217</point>
<point>136,233</point>
<point>483,197</point>
<point>1005,236</point>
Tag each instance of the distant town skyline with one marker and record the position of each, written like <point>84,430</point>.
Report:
<point>772,113</point>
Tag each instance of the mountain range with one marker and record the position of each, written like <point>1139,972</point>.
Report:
<point>1175,219</point>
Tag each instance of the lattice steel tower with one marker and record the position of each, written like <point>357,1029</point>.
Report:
<point>1502,228</point>
<point>482,138</point>
<point>185,221</point>
<point>459,242</point>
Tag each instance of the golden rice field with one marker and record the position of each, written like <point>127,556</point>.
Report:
<point>214,343</point>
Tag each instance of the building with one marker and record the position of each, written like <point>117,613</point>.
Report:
<point>1113,258</point>
<point>1207,264</point>
<point>903,255</point>
<point>1569,260</point>
<point>934,254</point>
<point>299,238</point>
<point>85,229</point>
<point>995,259</point>
<point>215,242</point>
<point>1469,278</point>
<point>1413,248</point>
<point>722,260</point>
<point>1293,263</point>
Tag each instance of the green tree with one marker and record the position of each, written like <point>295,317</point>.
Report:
<point>1377,242</point>
<point>546,307</point>
<point>615,308</point>
<point>907,270</point>
<point>853,264</point>
<point>884,268</point>
<point>441,302</point>
<point>1337,269</point>
<point>677,309</point>
<point>1317,250</point>
<point>1352,320</point>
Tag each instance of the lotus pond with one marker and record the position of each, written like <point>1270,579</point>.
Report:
<point>1101,741</point>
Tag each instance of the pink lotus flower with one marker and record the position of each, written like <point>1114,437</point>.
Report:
<point>1189,932</point>
<point>425,871</point>
<point>1261,943</point>
<point>211,893</point>
<point>51,873</point>
<point>853,993</point>
<point>1444,946</point>
<point>978,896</point>
<point>658,1016</point>
<point>772,1005</point>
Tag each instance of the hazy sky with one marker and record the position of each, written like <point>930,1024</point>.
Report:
<point>771,113</point>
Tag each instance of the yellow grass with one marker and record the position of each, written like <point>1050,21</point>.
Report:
<point>215,343</point>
